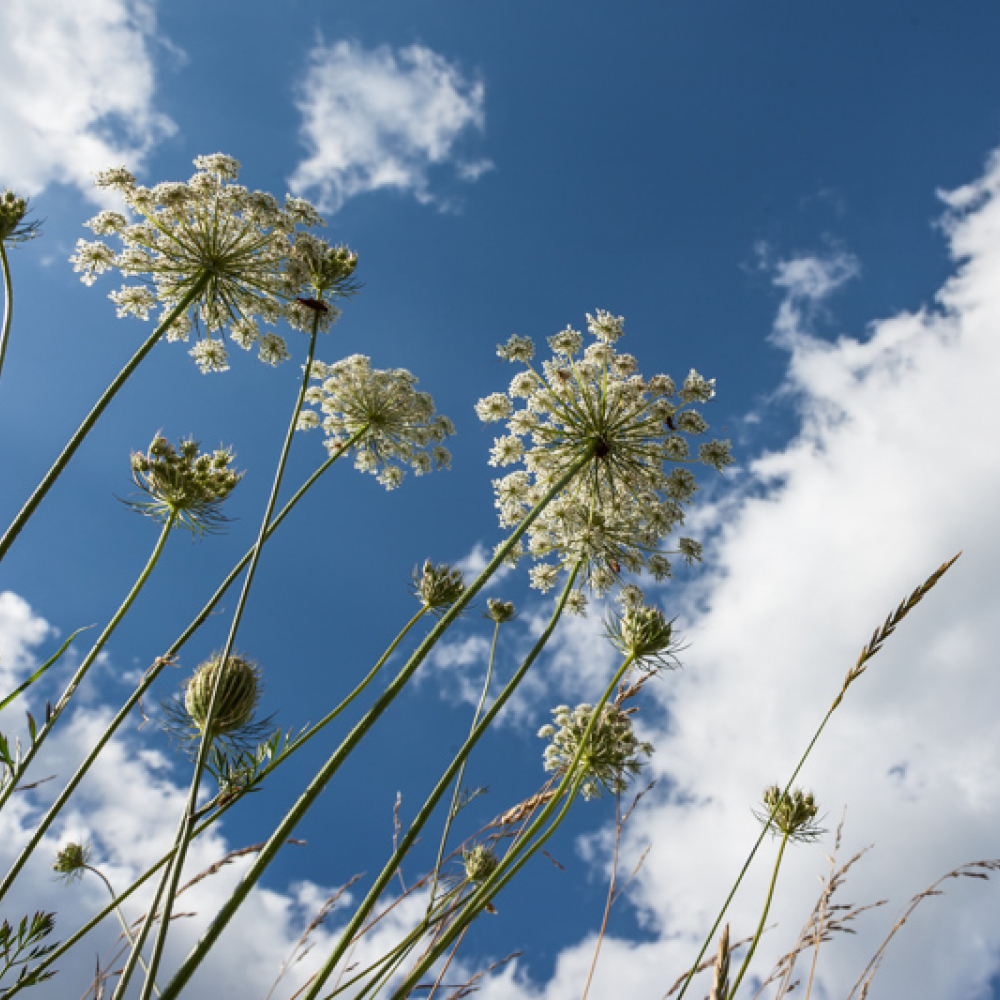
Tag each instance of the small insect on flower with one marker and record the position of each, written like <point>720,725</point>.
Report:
<point>315,305</point>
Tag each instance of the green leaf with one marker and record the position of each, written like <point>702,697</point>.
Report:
<point>41,670</point>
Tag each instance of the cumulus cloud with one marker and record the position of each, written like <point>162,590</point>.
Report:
<point>76,90</point>
<point>891,472</point>
<point>20,631</point>
<point>380,118</point>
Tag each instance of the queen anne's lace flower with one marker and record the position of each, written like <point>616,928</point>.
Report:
<point>241,247</point>
<point>184,483</point>
<point>610,756</point>
<point>397,423</point>
<point>617,511</point>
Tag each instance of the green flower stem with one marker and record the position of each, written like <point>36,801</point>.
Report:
<point>351,931</point>
<point>386,965</point>
<point>99,407</point>
<point>225,807</point>
<point>453,808</point>
<point>866,654</point>
<point>121,919</point>
<point>521,852</point>
<point>60,706</point>
<point>8,303</point>
<point>334,762</point>
<point>156,669</point>
<point>756,847</point>
<point>187,823</point>
<point>763,920</point>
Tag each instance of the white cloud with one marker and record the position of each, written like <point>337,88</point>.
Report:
<point>20,630</point>
<point>76,90</point>
<point>894,470</point>
<point>379,118</point>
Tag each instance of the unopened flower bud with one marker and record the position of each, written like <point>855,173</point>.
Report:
<point>480,863</point>
<point>239,694</point>
<point>438,587</point>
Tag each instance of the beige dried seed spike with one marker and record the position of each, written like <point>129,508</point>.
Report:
<point>720,973</point>
<point>889,626</point>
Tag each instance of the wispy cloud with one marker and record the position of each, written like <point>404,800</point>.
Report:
<point>892,472</point>
<point>76,90</point>
<point>377,119</point>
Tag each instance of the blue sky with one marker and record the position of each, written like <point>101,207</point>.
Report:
<point>800,201</point>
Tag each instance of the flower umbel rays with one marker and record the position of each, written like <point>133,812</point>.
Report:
<point>645,635</point>
<point>438,587</point>
<point>396,423</point>
<point>235,244</point>
<point>14,227</point>
<point>793,814</point>
<point>613,753</point>
<point>184,483</point>
<point>616,513</point>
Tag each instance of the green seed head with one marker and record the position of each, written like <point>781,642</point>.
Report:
<point>239,694</point>
<point>480,863</point>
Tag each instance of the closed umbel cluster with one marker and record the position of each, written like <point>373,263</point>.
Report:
<point>209,230</point>
<point>396,423</point>
<point>616,513</point>
<point>238,697</point>
<point>611,755</point>
<point>184,483</point>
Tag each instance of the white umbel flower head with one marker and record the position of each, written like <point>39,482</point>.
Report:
<point>397,424</point>
<point>209,232</point>
<point>616,513</point>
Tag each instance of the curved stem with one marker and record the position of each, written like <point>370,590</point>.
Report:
<point>8,302</point>
<point>756,848</point>
<point>118,912</point>
<point>763,920</point>
<point>99,407</point>
<point>186,827</point>
<point>53,718</point>
<point>334,762</point>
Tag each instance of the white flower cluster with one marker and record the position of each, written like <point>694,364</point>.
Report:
<point>238,243</point>
<point>397,424</point>
<point>610,756</point>
<point>591,403</point>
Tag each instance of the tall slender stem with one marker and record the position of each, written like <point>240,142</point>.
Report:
<point>453,808</point>
<point>350,932</point>
<point>99,407</point>
<point>763,920</point>
<point>186,827</point>
<point>156,669</point>
<point>333,764</point>
<point>74,683</point>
